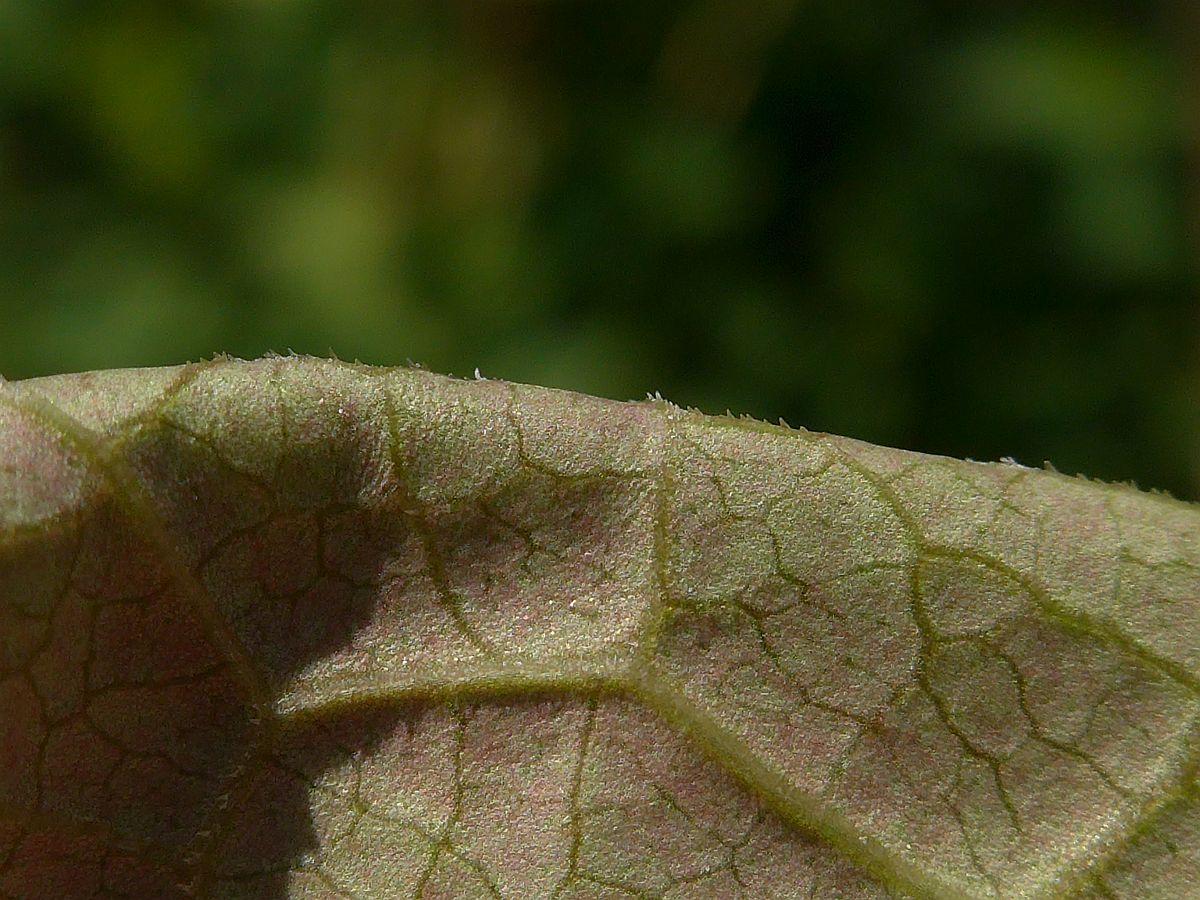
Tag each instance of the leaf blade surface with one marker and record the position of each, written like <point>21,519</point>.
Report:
<point>300,628</point>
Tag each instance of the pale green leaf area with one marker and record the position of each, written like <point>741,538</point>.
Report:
<point>297,628</point>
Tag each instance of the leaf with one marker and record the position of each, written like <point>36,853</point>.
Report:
<point>297,628</point>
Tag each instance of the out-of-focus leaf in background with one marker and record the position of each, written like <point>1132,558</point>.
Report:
<point>963,231</point>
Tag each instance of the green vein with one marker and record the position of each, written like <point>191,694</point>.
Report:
<point>802,809</point>
<point>137,504</point>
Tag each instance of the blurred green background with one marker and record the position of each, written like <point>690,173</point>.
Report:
<point>969,231</point>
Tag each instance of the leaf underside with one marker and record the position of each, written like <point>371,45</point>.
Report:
<point>299,628</point>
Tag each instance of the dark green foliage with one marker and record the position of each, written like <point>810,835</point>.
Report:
<point>957,231</point>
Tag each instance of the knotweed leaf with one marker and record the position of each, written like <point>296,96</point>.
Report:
<point>298,628</point>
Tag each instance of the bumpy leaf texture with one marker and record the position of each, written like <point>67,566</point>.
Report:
<point>298,628</point>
